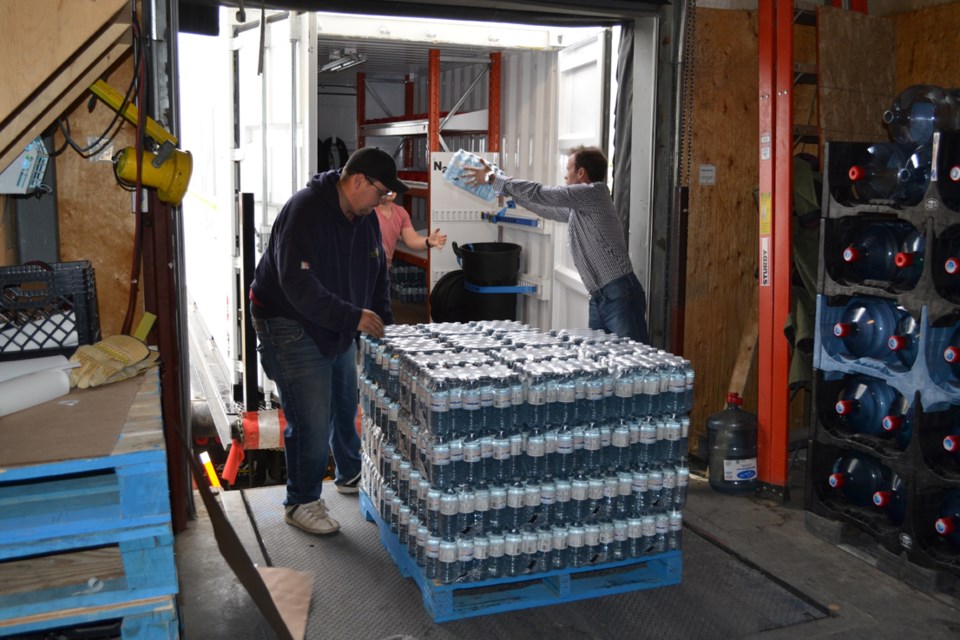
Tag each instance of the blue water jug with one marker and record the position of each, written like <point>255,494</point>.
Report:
<point>879,329</point>
<point>948,524</point>
<point>918,111</point>
<point>870,253</point>
<point>891,172</point>
<point>893,500</point>
<point>871,407</point>
<point>857,477</point>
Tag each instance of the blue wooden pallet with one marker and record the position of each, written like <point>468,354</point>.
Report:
<point>466,600</point>
<point>90,538</point>
<point>147,619</point>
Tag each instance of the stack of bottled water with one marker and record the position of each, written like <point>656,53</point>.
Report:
<point>493,449</point>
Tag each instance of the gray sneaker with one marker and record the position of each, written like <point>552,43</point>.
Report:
<point>350,486</point>
<point>312,517</point>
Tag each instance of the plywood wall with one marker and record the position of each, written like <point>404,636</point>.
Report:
<point>925,44</point>
<point>856,74</point>
<point>95,216</point>
<point>721,288</point>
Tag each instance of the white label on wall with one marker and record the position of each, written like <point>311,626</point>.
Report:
<point>708,174</point>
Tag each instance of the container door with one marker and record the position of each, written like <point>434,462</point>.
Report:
<point>581,122</point>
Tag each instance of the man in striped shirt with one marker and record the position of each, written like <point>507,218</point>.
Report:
<point>617,300</point>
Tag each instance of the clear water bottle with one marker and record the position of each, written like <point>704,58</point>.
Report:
<point>403,523</point>
<point>683,482</point>
<point>892,500</point>
<point>517,446</point>
<point>488,420</point>
<point>536,396</point>
<point>675,531</point>
<point>456,461</point>
<point>496,516</point>
<point>441,471</point>
<point>671,441</point>
<point>495,561</point>
<point>653,388</point>
<point>689,377</point>
<point>635,543</point>
<point>669,486</point>
<point>623,394</point>
<point>677,381</point>
<point>918,111</point>
<point>518,403</point>
<point>479,522</point>
<point>648,528</point>
<point>412,527</point>
<point>433,509</point>
<point>857,477</point>
<point>514,564</point>
<point>591,459</point>
<point>529,550</point>
<point>449,510</point>
<point>564,496</point>
<point>386,504</point>
<point>501,458</point>
<point>548,503</point>
<point>646,451</point>
<point>550,451</point>
<point>465,558</point>
<point>472,466</point>
<point>871,407</point>
<point>565,459</point>
<point>531,502</point>
<point>535,455</point>
<point>947,524</point>
<point>591,542</point>
<point>447,569</point>
<point>466,509</point>
<point>609,503</point>
<point>431,557</point>
<point>395,517</point>
<point>619,546</point>
<point>576,549</point>
<point>578,506</point>
<point>594,407</point>
<point>457,418</point>
<point>662,529</point>
<point>624,506</point>
<point>558,535</point>
<point>393,417</point>
<point>640,491</point>
<point>473,421</point>
<point>655,483</point>
<point>423,534</point>
<point>605,546</point>
<point>566,409</point>
<point>403,480</point>
<point>620,454</point>
<point>515,513</point>
<point>481,558</point>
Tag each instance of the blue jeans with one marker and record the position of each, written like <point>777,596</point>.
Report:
<point>319,398</point>
<point>620,307</point>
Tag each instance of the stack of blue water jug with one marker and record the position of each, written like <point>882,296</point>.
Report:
<point>885,456</point>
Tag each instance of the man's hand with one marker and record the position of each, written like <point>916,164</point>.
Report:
<point>370,323</point>
<point>473,176</point>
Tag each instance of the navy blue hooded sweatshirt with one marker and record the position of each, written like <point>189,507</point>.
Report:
<point>321,269</point>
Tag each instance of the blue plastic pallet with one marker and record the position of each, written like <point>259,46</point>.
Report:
<point>148,619</point>
<point>471,599</point>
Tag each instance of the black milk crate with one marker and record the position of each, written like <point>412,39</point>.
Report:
<point>47,309</point>
<point>471,599</point>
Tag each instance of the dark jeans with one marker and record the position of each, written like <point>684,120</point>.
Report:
<point>319,399</point>
<point>620,307</point>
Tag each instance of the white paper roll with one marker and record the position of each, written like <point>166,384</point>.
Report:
<point>17,368</point>
<point>32,389</point>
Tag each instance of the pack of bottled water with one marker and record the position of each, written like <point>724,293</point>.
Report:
<point>493,449</point>
<point>454,175</point>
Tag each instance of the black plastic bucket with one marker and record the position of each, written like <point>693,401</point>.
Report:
<point>489,263</point>
<point>451,301</point>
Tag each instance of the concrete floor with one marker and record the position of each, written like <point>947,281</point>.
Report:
<point>864,601</point>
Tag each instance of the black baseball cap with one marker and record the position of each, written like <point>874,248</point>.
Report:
<point>376,163</point>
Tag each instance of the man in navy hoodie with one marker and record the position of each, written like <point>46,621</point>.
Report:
<point>321,281</point>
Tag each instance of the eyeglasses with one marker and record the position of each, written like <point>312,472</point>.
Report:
<point>383,193</point>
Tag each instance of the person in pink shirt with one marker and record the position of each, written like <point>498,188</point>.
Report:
<point>395,224</point>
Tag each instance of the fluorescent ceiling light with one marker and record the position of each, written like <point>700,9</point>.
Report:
<point>344,62</point>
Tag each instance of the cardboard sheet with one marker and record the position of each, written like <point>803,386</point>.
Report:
<point>85,423</point>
